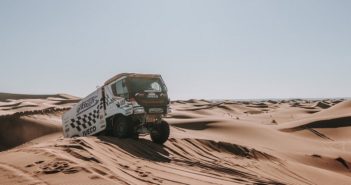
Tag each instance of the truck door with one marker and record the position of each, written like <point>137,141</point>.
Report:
<point>116,95</point>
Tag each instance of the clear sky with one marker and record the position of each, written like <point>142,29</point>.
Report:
<point>212,49</point>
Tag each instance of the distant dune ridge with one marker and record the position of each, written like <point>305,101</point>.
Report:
<point>212,142</point>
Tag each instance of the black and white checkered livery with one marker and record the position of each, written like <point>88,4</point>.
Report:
<point>86,120</point>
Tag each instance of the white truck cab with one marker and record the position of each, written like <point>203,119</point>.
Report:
<point>127,105</point>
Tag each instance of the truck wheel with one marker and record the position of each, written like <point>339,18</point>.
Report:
<point>122,128</point>
<point>160,132</point>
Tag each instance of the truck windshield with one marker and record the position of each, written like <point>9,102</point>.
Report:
<point>146,85</point>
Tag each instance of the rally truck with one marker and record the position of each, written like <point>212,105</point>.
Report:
<point>126,106</point>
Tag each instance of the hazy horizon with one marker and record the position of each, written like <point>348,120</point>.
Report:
<point>203,49</point>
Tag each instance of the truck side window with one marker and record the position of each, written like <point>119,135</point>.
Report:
<point>113,87</point>
<point>119,89</point>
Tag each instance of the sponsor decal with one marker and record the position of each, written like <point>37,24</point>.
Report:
<point>121,102</point>
<point>109,100</point>
<point>118,101</point>
<point>89,131</point>
<point>86,105</point>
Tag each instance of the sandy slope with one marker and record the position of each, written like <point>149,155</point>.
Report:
<point>227,142</point>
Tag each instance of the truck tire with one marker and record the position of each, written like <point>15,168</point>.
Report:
<point>122,127</point>
<point>160,132</point>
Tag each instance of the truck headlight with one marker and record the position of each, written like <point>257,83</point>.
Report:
<point>139,110</point>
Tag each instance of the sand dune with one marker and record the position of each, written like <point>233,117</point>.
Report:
<point>220,142</point>
<point>17,131</point>
<point>25,117</point>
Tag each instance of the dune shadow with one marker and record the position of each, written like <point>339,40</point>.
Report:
<point>195,125</point>
<point>328,123</point>
<point>141,148</point>
<point>17,131</point>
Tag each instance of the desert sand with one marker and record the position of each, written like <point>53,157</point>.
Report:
<point>212,142</point>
